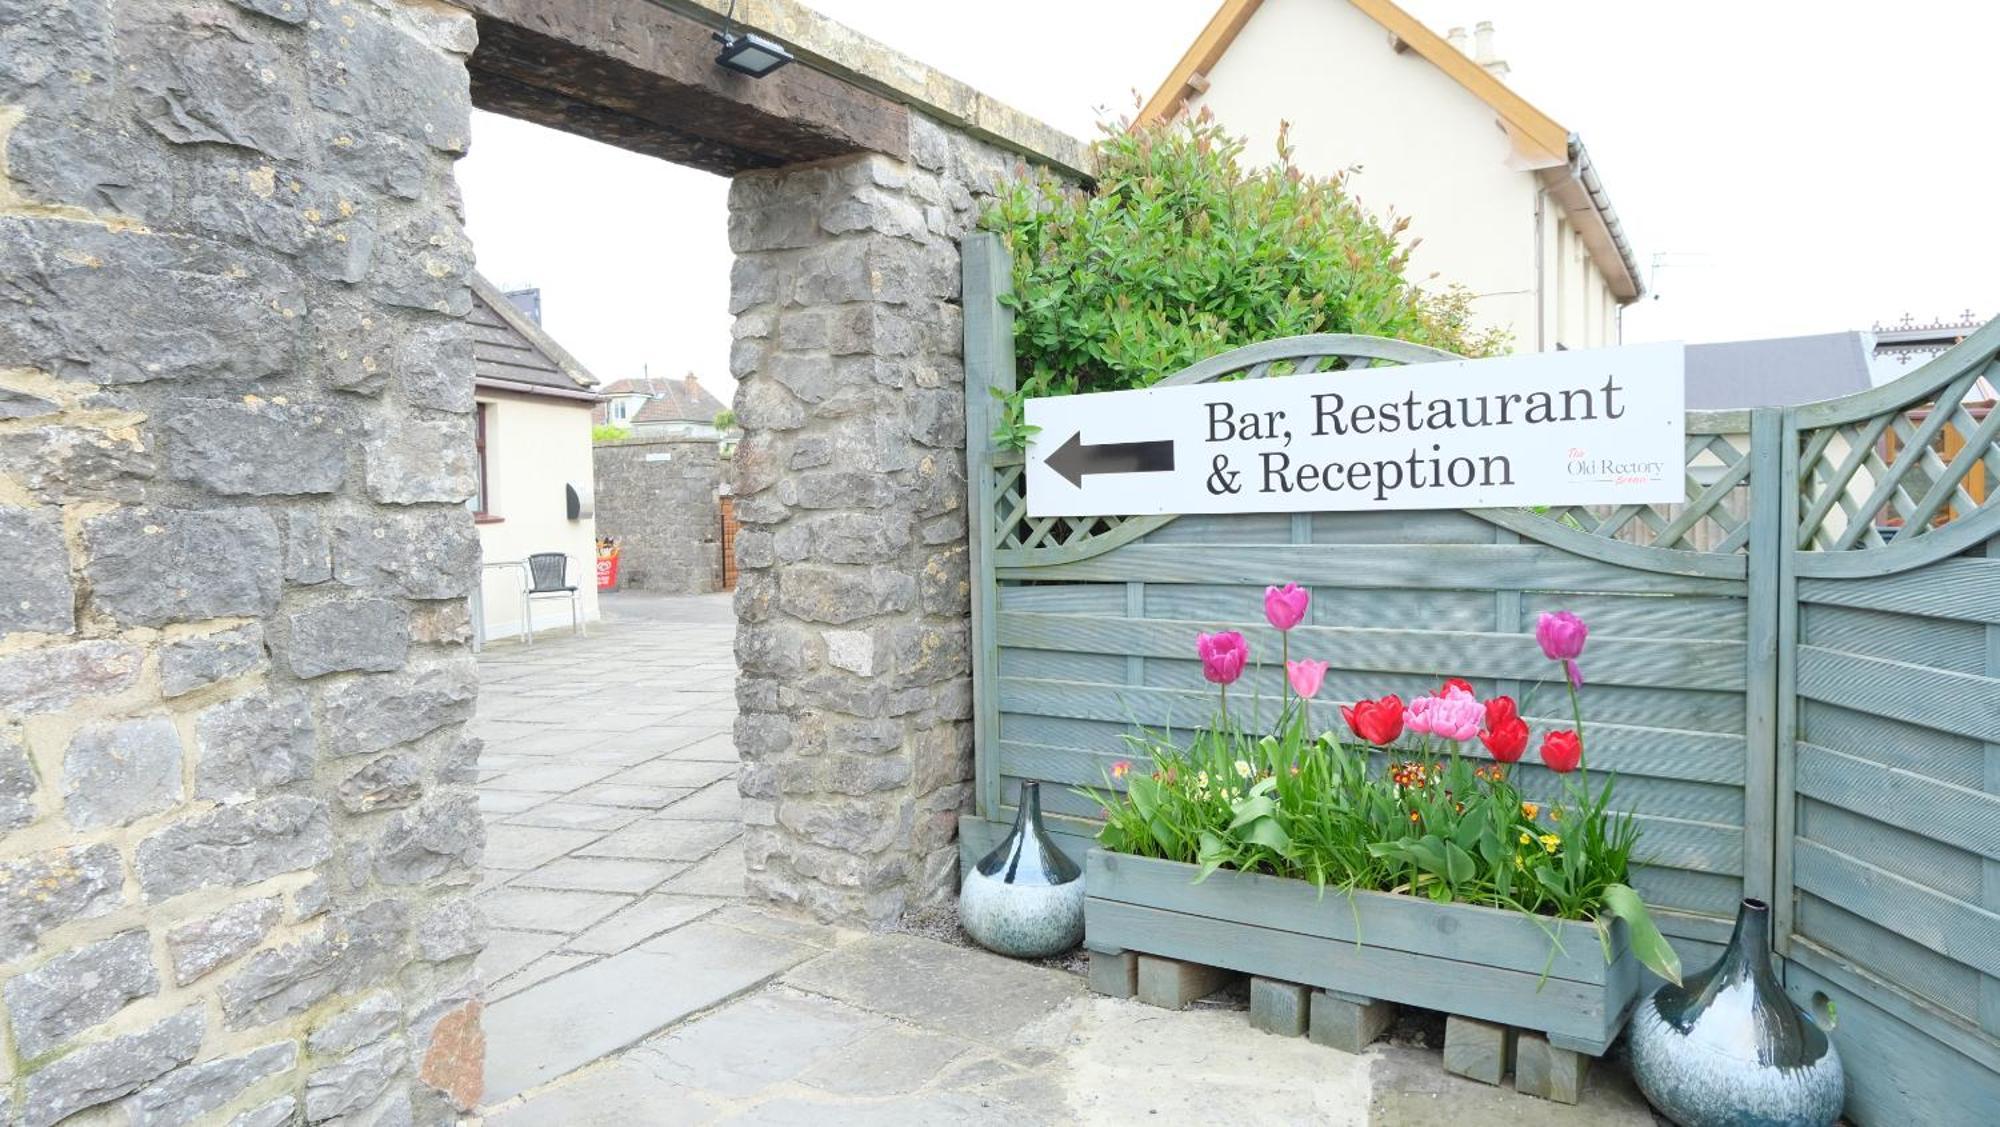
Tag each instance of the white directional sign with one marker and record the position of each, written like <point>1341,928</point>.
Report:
<point>1602,426</point>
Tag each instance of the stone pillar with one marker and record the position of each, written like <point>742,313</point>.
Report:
<point>237,827</point>
<point>852,591</point>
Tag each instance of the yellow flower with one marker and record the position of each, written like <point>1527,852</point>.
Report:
<point>1550,842</point>
<point>1242,769</point>
<point>1519,865</point>
<point>1527,838</point>
<point>1529,810</point>
<point>1556,815</point>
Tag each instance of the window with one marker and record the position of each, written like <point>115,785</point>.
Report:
<point>481,503</point>
<point>618,411</point>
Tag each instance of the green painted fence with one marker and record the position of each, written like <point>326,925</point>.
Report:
<point>1795,673</point>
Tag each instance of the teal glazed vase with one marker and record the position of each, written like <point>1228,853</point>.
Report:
<point>1728,1048</point>
<point>1024,899</point>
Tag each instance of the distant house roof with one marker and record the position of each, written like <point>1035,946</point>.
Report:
<point>510,352</point>
<point>1779,372</point>
<point>1540,143</point>
<point>668,401</point>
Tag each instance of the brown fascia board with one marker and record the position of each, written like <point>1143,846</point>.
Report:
<point>1595,223</point>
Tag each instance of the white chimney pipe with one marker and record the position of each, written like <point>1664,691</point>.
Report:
<point>1483,50</point>
<point>1456,37</point>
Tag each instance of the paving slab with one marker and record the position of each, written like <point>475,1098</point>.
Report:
<point>763,1040</point>
<point>527,847</point>
<point>674,773</point>
<point>599,874</point>
<point>508,950</point>
<point>619,1093</point>
<point>495,801</point>
<point>720,874</point>
<point>717,802</point>
<point>639,796</point>
<point>541,970</point>
<point>938,987</point>
<point>560,1025</point>
<point>650,916</point>
<point>548,909</point>
<point>659,839</point>
<point>561,813</point>
<point>556,778</point>
<point>1411,1089</point>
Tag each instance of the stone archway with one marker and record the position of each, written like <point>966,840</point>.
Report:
<point>234,410</point>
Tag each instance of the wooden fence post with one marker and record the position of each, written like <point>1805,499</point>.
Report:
<point>1762,733</point>
<point>988,272</point>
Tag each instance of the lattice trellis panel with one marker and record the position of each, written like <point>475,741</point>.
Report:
<point>1715,517</point>
<point>1905,471</point>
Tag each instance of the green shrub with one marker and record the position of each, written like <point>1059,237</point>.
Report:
<point>609,432</point>
<point>1180,253</point>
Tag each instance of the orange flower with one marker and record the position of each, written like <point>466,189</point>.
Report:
<point>1415,817</point>
<point>1121,768</point>
<point>1530,811</point>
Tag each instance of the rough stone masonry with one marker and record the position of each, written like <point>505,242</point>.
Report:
<point>853,585</point>
<point>237,832</point>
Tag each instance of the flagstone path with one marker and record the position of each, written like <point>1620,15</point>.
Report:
<point>630,984</point>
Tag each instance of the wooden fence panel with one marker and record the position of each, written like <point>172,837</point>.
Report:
<point>1795,674</point>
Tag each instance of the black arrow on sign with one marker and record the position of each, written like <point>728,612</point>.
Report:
<point>1073,459</point>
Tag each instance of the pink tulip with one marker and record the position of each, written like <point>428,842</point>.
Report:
<point>1306,677</point>
<point>1222,656</point>
<point>1561,636</point>
<point>1454,715</point>
<point>1286,606</point>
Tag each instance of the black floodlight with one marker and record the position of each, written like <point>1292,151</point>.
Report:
<point>749,54</point>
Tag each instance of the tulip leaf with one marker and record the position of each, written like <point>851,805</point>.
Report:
<point>1648,944</point>
<point>1457,862</point>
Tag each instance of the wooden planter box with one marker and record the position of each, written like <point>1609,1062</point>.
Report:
<point>1477,962</point>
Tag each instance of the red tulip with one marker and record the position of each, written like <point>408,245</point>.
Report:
<point>1506,740</point>
<point>1378,722</point>
<point>1457,683</point>
<point>1499,710</point>
<point>1562,751</point>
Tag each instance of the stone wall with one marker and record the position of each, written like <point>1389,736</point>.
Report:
<point>657,497</point>
<point>852,596</point>
<point>237,826</point>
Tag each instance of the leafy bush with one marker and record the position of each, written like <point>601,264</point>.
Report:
<point>1181,252</point>
<point>609,432</point>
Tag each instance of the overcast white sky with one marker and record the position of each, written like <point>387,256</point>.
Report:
<point>1806,167</point>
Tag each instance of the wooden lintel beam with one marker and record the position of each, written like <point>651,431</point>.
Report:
<point>617,70</point>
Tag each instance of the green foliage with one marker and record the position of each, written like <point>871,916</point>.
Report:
<point>1439,826</point>
<point>1180,253</point>
<point>609,432</point>
<point>725,419</point>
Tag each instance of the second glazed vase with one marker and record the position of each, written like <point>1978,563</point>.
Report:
<point>1728,1048</point>
<point>1025,898</point>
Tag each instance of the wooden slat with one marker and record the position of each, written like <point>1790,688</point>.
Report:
<point>1944,982</point>
<point>1959,816</point>
<point>1562,949</point>
<point>1530,567</point>
<point>1893,743</point>
<point>1557,1006</point>
<point>1646,616</point>
<point>1965,932</point>
<point>1898,848</point>
<point>1962,589</point>
<point>1672,664</point>
<point>1949,702</point>
<point>1941,643</point>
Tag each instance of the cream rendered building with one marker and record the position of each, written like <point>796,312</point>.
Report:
<point>533,424</point>
<point>1504,199</point>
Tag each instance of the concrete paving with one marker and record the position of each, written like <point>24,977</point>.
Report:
<point>630,984</point>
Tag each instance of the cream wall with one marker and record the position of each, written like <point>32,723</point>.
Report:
<point>535,445</point>
<point>1425,147</point>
